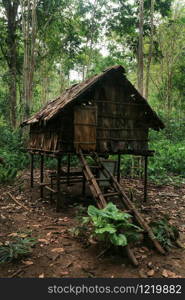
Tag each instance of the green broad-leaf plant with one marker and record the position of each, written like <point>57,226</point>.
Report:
<point>112,225</point>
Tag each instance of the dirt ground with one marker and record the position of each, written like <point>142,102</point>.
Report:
<point>58,254</point>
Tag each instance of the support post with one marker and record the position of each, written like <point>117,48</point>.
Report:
<point>41,175</point>
<point>31,169</point>
<point>83,186</point>
<point>145,177</point>
<point>118,167</point>
<point>68,168</point>
<point>51,193</point>
<point>58,183</point>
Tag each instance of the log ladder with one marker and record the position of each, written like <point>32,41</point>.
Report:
<point>101,197</point>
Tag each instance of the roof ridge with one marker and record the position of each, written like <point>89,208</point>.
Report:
<point>52,108</point>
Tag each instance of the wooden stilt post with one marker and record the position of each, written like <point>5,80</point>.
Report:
<point>84,186</point>
<point>31,170</point>
<point>51,193</point>
<point>68,168</point>
<point>145,177</point>
<point>118,167</point>
<point>58,183</point>
<point>41,175</point>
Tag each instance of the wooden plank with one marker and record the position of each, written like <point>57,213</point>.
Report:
<point>50,189</point>
<point>56,153</point>
<point>85,124</point>
<point>85,128</point>
<point>145,178</point>
<point>68,168</point>
<point>90,178</point>
<point>121,103</point>
<point>102,179</point>
<point>118,167</point>
<point>122,140</point>
<point>111,194</point>
<point>58,184</point>
<point>84,186</point>
<point>119,129</point>
<point>93,190</point>
<point>17,202</point>
<point>43,184</point>
<point>131,255</point>
<point>31,170</point>
<point>41,175</point>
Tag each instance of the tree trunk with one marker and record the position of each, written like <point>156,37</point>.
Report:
<point>13,97</point>
<point>11,9</point>
<point>150,49</point>
<point>140,47</point>
<point>29,26</point>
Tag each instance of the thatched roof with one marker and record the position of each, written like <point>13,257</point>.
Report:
<point>52,108</point>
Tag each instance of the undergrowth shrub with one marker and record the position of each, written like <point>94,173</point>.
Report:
<point>16,249</point>
<point>12,153</point>
<point>168,162</point>
<point>165,233</point>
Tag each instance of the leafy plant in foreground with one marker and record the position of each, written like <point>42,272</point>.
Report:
<point>112,225</point>
<point>16,249</point>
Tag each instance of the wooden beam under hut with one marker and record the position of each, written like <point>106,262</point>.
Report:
<point>145,177</point>
<point>55,154</point>
<point>118,167</point>
<point>58,204</point>
<point>68,168</point>
<point>41,176</point>
<point>31,169</point>
<point>84,186</point>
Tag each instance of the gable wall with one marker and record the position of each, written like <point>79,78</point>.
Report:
<point>121,124</point>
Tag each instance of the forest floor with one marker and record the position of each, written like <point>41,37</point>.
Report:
<point>59,254</point>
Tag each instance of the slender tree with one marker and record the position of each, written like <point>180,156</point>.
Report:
<point>140,70</point>
<point>9,50</point>
<point>150,54</point>
<point>29,28</point>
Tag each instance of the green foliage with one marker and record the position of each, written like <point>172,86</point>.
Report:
<point>161,6</point>
<point>16,249</point>
<point>167,165</point>
<point>11,151</point>
<point>112,225</point>
<point>165,233</point>
<point>7,175</point>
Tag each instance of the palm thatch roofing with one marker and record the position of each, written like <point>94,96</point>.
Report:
<point>76,91</point>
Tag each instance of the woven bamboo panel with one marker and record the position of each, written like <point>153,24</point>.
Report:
<point>85,128</point>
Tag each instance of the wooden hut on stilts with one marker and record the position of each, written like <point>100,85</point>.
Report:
<point>103,115</point>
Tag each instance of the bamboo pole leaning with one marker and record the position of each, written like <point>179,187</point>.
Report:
<point>129,205</point>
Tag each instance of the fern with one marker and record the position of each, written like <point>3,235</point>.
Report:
<point>165,233</point>
<point>17,249</point>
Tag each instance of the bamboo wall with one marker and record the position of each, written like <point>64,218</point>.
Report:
<point>121,123</point>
